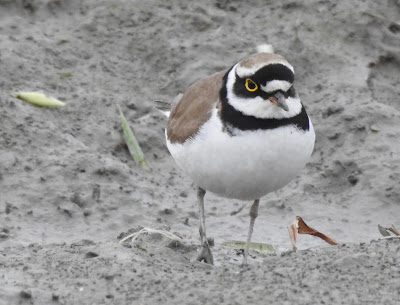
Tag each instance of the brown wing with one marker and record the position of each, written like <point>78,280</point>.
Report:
<point>194,108</point>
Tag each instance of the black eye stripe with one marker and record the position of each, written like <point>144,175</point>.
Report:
<point>239,88</point>
<point>262,77</point>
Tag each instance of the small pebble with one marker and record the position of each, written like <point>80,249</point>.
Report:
<point>25,294</point>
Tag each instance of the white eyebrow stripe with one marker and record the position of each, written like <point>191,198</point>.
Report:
<point>275,85</point>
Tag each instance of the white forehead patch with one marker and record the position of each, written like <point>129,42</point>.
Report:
<point>275,85</point>
<point>248,71</point>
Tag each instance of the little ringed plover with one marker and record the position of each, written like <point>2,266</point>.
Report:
<point>241,133</point>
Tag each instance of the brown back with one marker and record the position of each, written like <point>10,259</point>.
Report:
<point>194,108</point>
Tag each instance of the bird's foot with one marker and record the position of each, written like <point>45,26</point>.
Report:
<point>205,254</point>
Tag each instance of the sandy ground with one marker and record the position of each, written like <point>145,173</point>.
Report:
<point>58,242</point>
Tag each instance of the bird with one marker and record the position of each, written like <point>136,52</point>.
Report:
<point>240,133</point>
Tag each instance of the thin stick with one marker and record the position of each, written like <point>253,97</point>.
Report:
<point>151,231</point>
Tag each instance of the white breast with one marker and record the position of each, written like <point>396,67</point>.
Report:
<point>245,166</point>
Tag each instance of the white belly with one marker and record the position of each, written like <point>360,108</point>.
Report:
<point>246,166</point>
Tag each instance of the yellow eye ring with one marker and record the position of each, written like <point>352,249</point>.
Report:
<point>251,85</point>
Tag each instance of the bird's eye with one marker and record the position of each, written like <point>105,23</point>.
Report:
<point>251,85</point>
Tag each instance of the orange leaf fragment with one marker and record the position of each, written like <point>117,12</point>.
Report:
<point>394,230</point>
<point>300,227</point>
<point>293,230</point>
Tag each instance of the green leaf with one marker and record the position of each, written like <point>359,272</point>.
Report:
<point>64,74</point>
<point>131,142</point>
<point>39,99</point>
<point>257,247</point>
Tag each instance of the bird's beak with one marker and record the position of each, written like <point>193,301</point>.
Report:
<point>279,100</point>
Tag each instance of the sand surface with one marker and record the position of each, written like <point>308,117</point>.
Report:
<point>69,188</point>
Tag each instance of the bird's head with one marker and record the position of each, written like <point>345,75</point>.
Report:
<point>261,85</point>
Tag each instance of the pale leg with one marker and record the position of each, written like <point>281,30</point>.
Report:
<point>205,252</point>
<point>253,216</point>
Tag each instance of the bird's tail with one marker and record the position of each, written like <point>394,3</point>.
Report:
<point>165,107</point>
